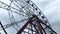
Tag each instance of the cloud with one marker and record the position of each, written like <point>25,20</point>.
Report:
<point>51,9</point>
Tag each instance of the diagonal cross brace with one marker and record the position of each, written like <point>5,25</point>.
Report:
<point>3,28</point>
<point>28,22</point>
<point>22,29</point>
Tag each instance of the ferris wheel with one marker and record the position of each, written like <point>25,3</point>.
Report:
<point>26,18</point>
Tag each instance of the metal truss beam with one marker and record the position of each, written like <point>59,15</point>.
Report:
<point>40,28</point>
<point>30,21</point>
<point>11,24</point>
<point>22,29</point>
<point>3,28</point>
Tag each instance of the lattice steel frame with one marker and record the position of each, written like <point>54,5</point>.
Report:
<point>40,28</point>
<point>27,4</point>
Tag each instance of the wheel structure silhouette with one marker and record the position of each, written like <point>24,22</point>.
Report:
<point>32,20</point>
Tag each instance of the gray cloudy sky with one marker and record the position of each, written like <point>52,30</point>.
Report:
<point>51,9</point>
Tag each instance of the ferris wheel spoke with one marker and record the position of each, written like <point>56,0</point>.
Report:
<point>5,6</point>
<point>11,24</point>
<point>16,5</point>
<point>24,6</point>
<point>12,9</point>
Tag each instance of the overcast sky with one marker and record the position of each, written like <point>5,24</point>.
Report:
<point>51,9</point>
